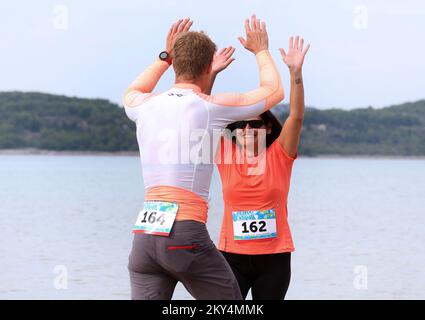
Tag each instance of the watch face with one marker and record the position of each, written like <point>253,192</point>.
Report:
<point>163,55</point>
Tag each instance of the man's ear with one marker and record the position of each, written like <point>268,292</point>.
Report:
<point>209,69</point>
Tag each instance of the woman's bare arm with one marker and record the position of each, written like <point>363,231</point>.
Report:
<point>290,136</point>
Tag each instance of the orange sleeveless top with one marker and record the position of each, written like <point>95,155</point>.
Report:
<point>245,189</point>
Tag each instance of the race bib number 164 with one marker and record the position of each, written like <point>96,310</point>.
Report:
<point>156,218</point>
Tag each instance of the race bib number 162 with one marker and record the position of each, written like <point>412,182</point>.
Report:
<point>254,224</point>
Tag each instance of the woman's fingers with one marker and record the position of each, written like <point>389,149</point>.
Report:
<point>301,44</point>
<point>291,43</point>
<point>306,49</point>
<point>297,39</point>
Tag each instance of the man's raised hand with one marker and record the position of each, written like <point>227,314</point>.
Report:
<point>182,25</point>
<point>256,35</point>
<point>222,59</point>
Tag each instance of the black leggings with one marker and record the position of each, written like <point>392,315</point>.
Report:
<point>267,275</point>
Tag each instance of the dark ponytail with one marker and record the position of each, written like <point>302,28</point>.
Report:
<point>271,121</point>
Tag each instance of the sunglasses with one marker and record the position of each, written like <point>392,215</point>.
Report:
<point>254,124</point>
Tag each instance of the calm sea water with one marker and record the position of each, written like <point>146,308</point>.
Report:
<point>355,222</point>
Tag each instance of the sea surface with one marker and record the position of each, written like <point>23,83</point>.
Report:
<point>358,227</point>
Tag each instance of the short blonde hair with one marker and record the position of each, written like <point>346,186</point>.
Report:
<point>193,53</point>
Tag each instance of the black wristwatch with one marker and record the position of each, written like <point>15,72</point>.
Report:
<point>165,56</point>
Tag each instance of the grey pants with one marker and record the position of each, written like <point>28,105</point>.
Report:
<point>188,255</point>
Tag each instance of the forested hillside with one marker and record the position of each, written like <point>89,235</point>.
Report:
<point>52,122</point>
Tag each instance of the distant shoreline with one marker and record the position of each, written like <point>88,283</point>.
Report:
<point>136,154</point>
<point>66,153</point>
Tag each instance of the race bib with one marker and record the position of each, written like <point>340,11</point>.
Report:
<point>156,218</point>
<point>254,224</point>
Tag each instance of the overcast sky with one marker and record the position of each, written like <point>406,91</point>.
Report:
<point>362,52</point>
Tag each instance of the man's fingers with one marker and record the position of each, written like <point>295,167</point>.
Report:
<point>263,27</point>
<point>229,62</point>
<point>253,22</point>
<point>283,53</point>
<point>247,27</point>
<point>226,51</point>
<point>297,39</point>
<point>229,52</point>
<point>182,25</point>
<point>170,31</point>
<point>301,44</point>
<point>176,25</point>
<point>258,24</point>
<point>221,51</point>
<point>242,41</point>
<point>187,26</point>
<point>291,43</point>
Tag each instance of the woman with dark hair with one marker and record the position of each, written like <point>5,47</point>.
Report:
<point>255,171</point>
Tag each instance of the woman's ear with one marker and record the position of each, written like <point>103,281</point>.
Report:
<point>269,129</point>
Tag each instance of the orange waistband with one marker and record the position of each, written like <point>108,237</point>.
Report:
<point>191,205</point>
